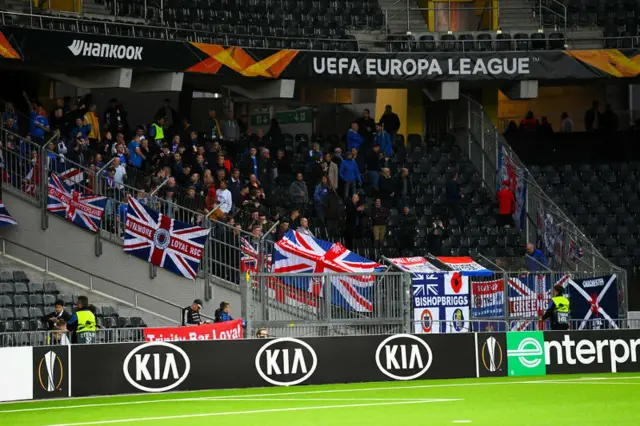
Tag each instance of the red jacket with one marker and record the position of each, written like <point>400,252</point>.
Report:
<point>506,201</point>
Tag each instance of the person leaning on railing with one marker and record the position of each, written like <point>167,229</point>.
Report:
<point>82,324</point>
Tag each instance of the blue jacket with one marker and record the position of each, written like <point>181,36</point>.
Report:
<point>354,140</point>
<point>320,193</point>
<point>539,256</point>
<point>84,130</point>
<point>35,130</point>
<point>384,140</point>
<point>349,171</point>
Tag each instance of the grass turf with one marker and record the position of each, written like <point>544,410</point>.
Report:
<point>565,400</point>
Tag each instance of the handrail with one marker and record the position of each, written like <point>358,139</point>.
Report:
<point>91,276</point>
<point>386,14</point>
<point>544,7</point>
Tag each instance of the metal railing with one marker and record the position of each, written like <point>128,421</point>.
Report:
<point>397,11</point>
<point>332,306</point>
<point>484,146</point>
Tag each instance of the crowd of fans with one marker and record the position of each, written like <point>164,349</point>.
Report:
<point>222,169</point>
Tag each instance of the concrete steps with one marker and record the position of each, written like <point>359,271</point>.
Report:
<point>398,17</point>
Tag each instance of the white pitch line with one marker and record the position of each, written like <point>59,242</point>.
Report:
<point>314,392</point>
<point>235,413</point>
<point>461,421</point>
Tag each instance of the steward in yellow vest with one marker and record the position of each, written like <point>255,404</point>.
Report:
<point>82,324</point>
<point>558,311</point>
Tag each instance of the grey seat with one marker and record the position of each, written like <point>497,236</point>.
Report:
<point>20,276</point>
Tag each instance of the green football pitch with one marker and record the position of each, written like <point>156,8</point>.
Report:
<point>582,400</point>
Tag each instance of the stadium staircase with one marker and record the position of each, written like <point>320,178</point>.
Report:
<point>69,251</point>
<point>397,13</point>
<point>517,15</point>
<point>47,287</point>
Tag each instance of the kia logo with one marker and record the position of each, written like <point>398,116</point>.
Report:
<point>403,357</point>
<point>286,361</point>
<point>156,367</point>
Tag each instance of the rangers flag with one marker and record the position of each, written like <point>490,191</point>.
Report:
<point>162,241</point>
<point>82,209</point>
<point>594,301</point>
<point>5,218</point>
<point>351,289</point>
<point>72,176</point>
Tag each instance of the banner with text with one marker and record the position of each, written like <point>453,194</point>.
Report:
<point>440,303</point>
<point>72,49</point>
<point>228,330</point>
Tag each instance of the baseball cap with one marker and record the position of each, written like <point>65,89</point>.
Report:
<point>198,302</point>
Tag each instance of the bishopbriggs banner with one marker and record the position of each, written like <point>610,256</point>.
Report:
<point>36,47</point>
<point>440,302</point>
<point>163,366</point>
<point>228,330</point>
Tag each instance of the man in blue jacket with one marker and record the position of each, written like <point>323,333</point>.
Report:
<point>383,139</point>
<point>354,140</point>
<point>350,174</point>
<point>536,259</point>
<point>80,131</point>
<point>222,314</point>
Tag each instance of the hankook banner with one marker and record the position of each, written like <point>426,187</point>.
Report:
<point>66,49</point>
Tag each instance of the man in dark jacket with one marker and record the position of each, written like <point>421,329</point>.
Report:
<point>407,222</point>
<point>391,122</point>
<point>379,220</point>
<point>593,117</point>
<point>58,315</point>
<point>353,224</point>
<point>299,194</point>
<point>387,188</point>
<point>404,189</point>
<point>191,314</point>
<point>366,126</point>
<point>454,198</point>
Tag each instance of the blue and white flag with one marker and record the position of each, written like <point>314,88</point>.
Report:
<point>594,301</point>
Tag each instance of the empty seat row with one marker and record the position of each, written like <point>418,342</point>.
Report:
<point>30,288</point>
<point>479,42</point>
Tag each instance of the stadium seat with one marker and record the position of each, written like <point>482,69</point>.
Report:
<point>51,288</point>
<point>6,276</point>
<point>20,276</point>
<point>36,288</point>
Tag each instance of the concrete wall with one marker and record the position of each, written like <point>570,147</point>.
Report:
<point>72,245</point>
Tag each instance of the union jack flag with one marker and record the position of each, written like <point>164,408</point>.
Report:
<point>529,298</point>
<point>5,218</point>
<point>298,253</point>
<point>84,210</point>
<point>250,256</point>
<point>162,241</point>
<point>72,176</point>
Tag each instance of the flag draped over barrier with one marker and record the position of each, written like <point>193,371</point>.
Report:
<point>594,301</point>
<point>298,253</point>
<point>85,210</point>
<point>162,241</point>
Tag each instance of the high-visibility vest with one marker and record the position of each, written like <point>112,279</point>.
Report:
<point>561,309</point>
<point>86,321</point>
<point>159,132</point>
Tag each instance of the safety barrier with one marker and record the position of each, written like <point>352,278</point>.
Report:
<point>181,366</point>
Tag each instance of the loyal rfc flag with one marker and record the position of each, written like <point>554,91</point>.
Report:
<point>84,210</point>
<point>5,218</point>
<point>350,289</point>
<point>162,241</point>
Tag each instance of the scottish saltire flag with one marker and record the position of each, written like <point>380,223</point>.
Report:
<point>162,241</point>
<point>84,210</point>
<point>298,253</point>
<point>594,301</point>
<point>5,218</point>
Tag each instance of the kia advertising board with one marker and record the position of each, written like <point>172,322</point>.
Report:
<point>165,366</point>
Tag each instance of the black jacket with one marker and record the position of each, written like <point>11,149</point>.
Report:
<point>190,317</point>
<point>51,325</point>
